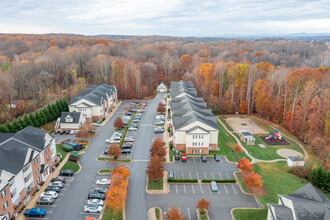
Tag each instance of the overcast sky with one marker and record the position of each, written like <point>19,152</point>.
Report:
<point>165,17</point>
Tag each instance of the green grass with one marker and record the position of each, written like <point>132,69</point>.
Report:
<point>69,165</point>
<point>247,214</point>
<point>110,159</point>
<point>225,122</point>
<point>226,143</point>
<point>172,153</point>
<point>155,185</point>
<point>109,213</point>
<point>203,216</point>
<point>157,213</point>
<point>61,151</point>
<point>48,127</point>
<point>105,171</point>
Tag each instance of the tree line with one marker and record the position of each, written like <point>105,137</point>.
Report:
<point>42,116</point>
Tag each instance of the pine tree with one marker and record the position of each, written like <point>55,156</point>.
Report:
<point>21,123</point>
<point>43,117</point>
<point>65,105</point>
<point>3,129</point>
<point>317,176</point>
<point>58,105</point>
<point>47,113</point>
<point>25,123</point>
<point>56,110</point>
<point>27,120</point>
<point>38,120</point>
<point>51,111</point>
<point>9,127</point>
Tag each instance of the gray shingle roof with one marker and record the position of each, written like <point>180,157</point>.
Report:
<point>296,158</point>
<point>309,192</point>
<point>74,115</point>
<point>197,127</point>
<point>281,212</point>
<point>95,94</point>
<point>162,83</point>
<point>32,136</point>
<point>5,136</point>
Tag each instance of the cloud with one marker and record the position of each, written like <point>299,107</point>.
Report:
<point>165,17</point>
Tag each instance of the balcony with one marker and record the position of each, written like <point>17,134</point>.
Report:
<point>27,171</point>
<point>28,183</point>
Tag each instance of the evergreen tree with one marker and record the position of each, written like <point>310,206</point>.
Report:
<point>3,129</point>
<point>43,115</point>
<point>57,112</point>
<point>47,114</point>
<point>9,127</point>
<point>15,126</point>
<point>38,121</point>
<point>32,118</point>
<point>58,105</point>
<point>317,176</point>
<point>51,111</point>
<point>65,105</point>
<point>27,121</point>
<point>21,123</point>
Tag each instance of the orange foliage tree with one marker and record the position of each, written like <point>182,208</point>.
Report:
<point>237,149</point>
<point>114,150</point>
<point>203,205</point>
<point>174,214</point>
<point>118,123</point>
<point>155,169</point>
<point>157,148</point>
<point>253,181</point>
<point>161,107</point>
<point>244,165</point>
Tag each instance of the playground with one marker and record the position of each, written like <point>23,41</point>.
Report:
<point>239,123</point>
<point>274,138</point>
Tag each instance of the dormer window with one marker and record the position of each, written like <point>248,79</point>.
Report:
<point>68,119</point>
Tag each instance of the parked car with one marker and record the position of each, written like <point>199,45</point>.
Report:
<point>118,133</point>
<point>183,157</point>
<point>93,208</point>
<point>53,188</point>
<point>125,151</point>
<point>91,131</point>
<point>50,194</point>
<point>100,190</point>
<point>160,122</point>
<point>139,114</point>
<point>126,146</point>
<point>34,212</point>
<point>216,157</point>
<point>204,158</point>
<point>137,117</point>
<point>75,145</point>
<point>67,131</point>
<point>91,218</point>
<point>62,179</point>
<point>62,132</point>
<point>112,141</point>
<point>115,137</point>
<point>177,157</point>
<point>56,132</point>
<point>72,132</point>
<point>129,139</point>
<point>214,186</point>
<point>96,124</point>
<point>160,117</point>
<point>170,174</point>
<point>45,200</point>
<point>159,129</point>
<point>132,128</point>
<point>129,113</point>
<point>66,173</point>
<point>125,122</point>
<point>136,120</point>
<point>106,150</point>
<point>96,195</point>
<point>57,183</point>
<point>95,202</point>
<point>103,182</point>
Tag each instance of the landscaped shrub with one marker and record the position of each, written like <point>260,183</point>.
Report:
<point>67,148</point>
<point>171,146</point>
<point>219,180</point>
<point>182,180</point>
<point>74,156</point>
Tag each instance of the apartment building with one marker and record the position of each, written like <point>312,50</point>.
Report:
<point>26,159</point>
<point>195,128</point>
<point>95,102</point>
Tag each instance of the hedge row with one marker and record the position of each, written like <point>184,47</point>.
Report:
<point>40,117</point>
<point>219,180</point>
<point>182,180</point>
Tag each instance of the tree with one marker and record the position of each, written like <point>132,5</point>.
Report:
<point>27,121</point>
<point>118,123</point>
<point>33,120</point>
<point>120,171</point>
<point>21,123</point>
<point>115,198</point>
<point>174,214</point>
<point>253,181</point>
<point>237,149</point>
<point>244,165</point>
<point>161,108</point>
<point>56,111</point>
<point>3,129</point>
<point>320,177</point>
<point>157,148</point>
<point>15,125</point>
<point>9,127</point>
<point>114,150</point>
<point>203,205</point>
<point>155,169</point>
<point>47,114</point>
<point>82,132</point>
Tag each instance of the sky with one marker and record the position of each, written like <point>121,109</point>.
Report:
<point>165,17</point>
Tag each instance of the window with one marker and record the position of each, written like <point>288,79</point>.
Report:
<point>46,149</point>
<point>194,151</point>
<point>201,136</point>
<point>200,151</point>
<point>5,205</point>
<point>37,170</point>
<point>48,158</point>
<point>3,193</point>
<point>36,160</point>
<point>194,144</point>
<point>38,180</point>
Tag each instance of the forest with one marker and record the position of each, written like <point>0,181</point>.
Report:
<point>285,81</point>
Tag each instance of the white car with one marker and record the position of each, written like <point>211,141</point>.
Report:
<point>112,141</point>
<point>50,194</point>
<point>131,128</point>
<point>117,133</point>
<point>56,183</point>
<point>115,137</point>
<point>129,139</point>
<point>103,182</point>
<point>159,122</point>
<point>160,117</point>
<point>93,208</point>
<point>95,202</point>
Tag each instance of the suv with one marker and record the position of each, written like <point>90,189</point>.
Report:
<point>66,173</point>
<point>96,195</point>
<point>125,151</point>
<point>204,158</point>
<point>126,146</point>
<point>100,190</point>
<point>170,174</point>
<point>183,157</point>
<point>216,157</point>
<point>52,188</point>
<point>58,179</point>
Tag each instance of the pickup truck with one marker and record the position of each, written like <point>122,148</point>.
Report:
<point>35,212</point>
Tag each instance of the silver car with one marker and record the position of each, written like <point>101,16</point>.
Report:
<point>45,200</point>
<point>214,186</point>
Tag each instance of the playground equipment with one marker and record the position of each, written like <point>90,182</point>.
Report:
<point>274,136</point>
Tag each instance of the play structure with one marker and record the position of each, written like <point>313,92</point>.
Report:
<point>274,136</point>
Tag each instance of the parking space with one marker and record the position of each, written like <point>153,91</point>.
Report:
<point>203,175</point>
<point>204,189</point>
<point>190,213</point>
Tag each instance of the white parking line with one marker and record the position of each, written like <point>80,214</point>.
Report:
<point>197,175</point>
<point>220,175</point>
<point>234,189</point>
<point>227,175</point>
<point>205,175</point>
<point>189,174</point>
<point>200,185</point>
<point>189,214</point>
<point>226,189</point>
<point>182,175</point>
<point>184,187</point>
<point>176,188</point>
<point>192,186</point>
<point>212,175</point>
<point>209,189</point>
<point>194,159</point>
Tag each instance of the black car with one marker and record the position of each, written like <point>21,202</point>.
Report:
<point>56,132</point>
<point>96,195</point>
<point>177,156</point>
<point>91,132</point>
<point>66,173</point>
<point>216,157</point>
<point>125,151</point>
<point>52,188</point>
<point>100,190</point>
<point>204,158</point>
<point>126,146</point>
<point>67,131</point>
<point>58,179</point>
<point>62,132</point>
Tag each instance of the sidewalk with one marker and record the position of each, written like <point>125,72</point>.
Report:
<point>166,135</point>
<point>33,201</point>
<point>111,113</point>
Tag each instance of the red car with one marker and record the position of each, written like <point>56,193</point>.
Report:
<point>183,157</point>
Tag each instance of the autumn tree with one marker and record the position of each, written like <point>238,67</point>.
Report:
<point>237,149</point>
<point>161,107</point>
<point>114,151</point>
<point>244,165</point>
<point>155,168</point>
<point>120,171</point>
<point>253,181</point>
<point>203,205</point>
<point>85,131</point>
<point>118,123</point>
<point>157,148</point>
<point>174,214</point>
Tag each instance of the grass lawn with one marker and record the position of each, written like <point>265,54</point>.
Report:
<point>69,165</point>
<point>155,185</point>
<point>226,143</point>
<point>157,213</point>
<point>276,181</point>
<point>111,214</point>
<point>172,153</point>
<point>225,122</point>
<point>48,127</point>
<point>105,171</point>
<point>61,151</point>
<point>110,159</point>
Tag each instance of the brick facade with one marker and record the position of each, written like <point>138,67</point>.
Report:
<point>10,209</point>
<point>36,170</point>
<point>180,147</point>
<point>189,150</point>
<point>22,195</point>
<point>214,147</point>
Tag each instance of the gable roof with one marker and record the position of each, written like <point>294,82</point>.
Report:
<point>281,212</point>
<point>195,128</point>
<point>74,115</point>
<point>162,84</point>
<point>309,192</point>
<point>95,94</point>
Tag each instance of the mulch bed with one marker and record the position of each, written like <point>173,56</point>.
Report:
<point>274,142</point>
